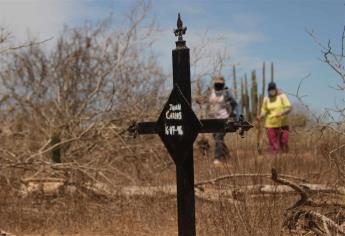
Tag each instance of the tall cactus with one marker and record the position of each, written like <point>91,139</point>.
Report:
<point>242,98</point>
<point>263,88</point>
<point>263,79</point>
<point>249,93</point>
<point>272,72</point>
<point>234,82</point>
<point>247,105</point>
<point>254,95</point>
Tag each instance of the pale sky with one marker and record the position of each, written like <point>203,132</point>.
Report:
<point>254,31</point>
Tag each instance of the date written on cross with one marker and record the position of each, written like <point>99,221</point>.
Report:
<point>174,113</point>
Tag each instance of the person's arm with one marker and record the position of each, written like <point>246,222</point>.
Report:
<point>263,111</point>
<point>232,105</point>
<point>286,111</point>
<point>287,106</point>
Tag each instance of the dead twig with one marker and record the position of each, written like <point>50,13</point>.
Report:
<point>312,217</point>
<point>329,225</point>
<point>245,175</point>
<point>304,196</point>
<point>25,45</point>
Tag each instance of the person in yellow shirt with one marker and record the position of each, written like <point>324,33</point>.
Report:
<point>275,109</point>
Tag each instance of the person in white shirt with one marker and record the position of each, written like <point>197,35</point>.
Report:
<point>222,106</point>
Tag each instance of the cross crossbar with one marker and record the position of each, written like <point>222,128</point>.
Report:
<point>208,126</point>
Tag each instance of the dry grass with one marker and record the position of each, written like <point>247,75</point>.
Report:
<point>80,214</point>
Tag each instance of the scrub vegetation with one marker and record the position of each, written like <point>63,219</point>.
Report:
<point>68,166</point>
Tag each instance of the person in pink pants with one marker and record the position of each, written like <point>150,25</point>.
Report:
<point>278,138</point>
<point>275,109</point>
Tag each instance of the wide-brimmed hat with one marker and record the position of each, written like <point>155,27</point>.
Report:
<point>219,79</point>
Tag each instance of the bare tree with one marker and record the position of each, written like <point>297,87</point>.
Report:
<point>71,103</point>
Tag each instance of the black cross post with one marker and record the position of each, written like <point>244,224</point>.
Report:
<point>178,128</point>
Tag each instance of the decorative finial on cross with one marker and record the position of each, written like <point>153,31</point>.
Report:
<point>180,31</point>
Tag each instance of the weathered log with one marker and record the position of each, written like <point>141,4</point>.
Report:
<point>4,233</point>
<point>53,187</point>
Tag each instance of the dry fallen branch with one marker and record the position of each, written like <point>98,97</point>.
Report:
<point>317,223</point>
<point>247,175</point>
<point>330,224</point>
<point>303,189</point>
<point>294,186</point>
<point>229,193</point>
<point>4,233</point>
<point>314,222</point>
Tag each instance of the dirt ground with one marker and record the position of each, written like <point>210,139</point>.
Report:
<point>79,215</point>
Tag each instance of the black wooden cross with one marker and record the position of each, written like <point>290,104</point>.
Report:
<point>178,127</point>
